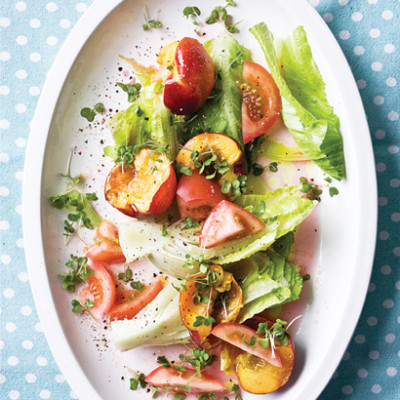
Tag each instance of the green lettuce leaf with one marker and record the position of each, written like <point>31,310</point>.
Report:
<point>223,111</point>
<point>305,108</point>
<point>272,281</point>
<point>278,151</point>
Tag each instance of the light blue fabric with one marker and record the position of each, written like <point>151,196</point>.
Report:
<point>31,33</point>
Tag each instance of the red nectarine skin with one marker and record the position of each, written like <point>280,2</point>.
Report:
<point>193,79</point>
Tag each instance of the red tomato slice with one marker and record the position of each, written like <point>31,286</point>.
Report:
<point>260,110</point>
<point>178,381</point>
<point>235,334</point>
<point>100,290</point>
<point>197,195</point>
<point>130,308</point>
<point>106,247</point>
<point>228,221</point>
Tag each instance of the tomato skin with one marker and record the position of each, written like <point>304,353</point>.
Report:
<point>197,195</point>
<point>228,221</point>
<point>106,246</point>
<point>100,290</point>
<point>128,309</point>
<point>169,377</point>
<point>259,78</point>
<point>233,333</point>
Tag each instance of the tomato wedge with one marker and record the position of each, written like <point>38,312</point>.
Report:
<point>236,334</point>
<point>228,221</point>
<point>130,308</point>
<point>100,290</point>
<point>197,195</point>
<point>106,246</point>
<point>178,381</point>
<point>261,101</point>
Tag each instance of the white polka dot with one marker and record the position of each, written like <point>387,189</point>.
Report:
<point>4,124</point>
<point>19,175</point>
<point>359,50</point>
<point>361,84</point>
<point>4,22</point>
<point>390,338</point>
<point>376,66</point>
<point>396,251</point>
<point>387,14</point>
<point>4,158</point>
<point>359,339</point>
<point>362,373</point>
<point>35,57</point>
<point>372,1</point>
<point>346,356</point>
<point>328,17</point>
<point>4,90</point>
<point>51,40</point>
<point>4,191</point>
<point>34,23</point>
<point>10,327</point>
<point>357,16</point>
<point>381,167</point>
<point>23,277</point>
<point>347,389</point>
<point>27,344</point>
<point>26,310</point>
<point>34,91</point>
<point>13,394</point>
<point>394,183</point>
<point>391,82</point>
<point>393,149</point>
<point>2,379</point>
<point>59,378</point>
<point>372,321</point>
<point>380,134</point>
<point>386,269</point>
<point>379,100</point>
<point>20,243</point>
<point>81,7</point>
<point>73,395</point>
<point>38,327</point>
<point>13,361</point>
<point>395,217</point>
<point>18,209</point>
<point>51,7</point>
<point>8,293</point>
<point>20,6</point>
<point>41,361</point>
<point>388,303</point>
<point>4,56</point>
<point>30,378</point>
<point>376,389</point>
<point>373,355</point>
<point>65,23</point>
<point>371,287</point>
<point>20,142</point>
<point>44,394</point>
<point>21,40</point>
<point>344,35</point>
<point>5,259</point>
<point>375,33</point>
<point>397,285</point>
<point>4,225</point>
<point>389,48</point>
<point>393,116</point>
<point>21,74</point>
<point>343,2</point>
<point>391,371</point>
<point>20,108</point>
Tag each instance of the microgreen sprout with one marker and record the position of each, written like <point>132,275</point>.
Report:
<point>311,190</point>
<point>200,320</point>
<point>127,276</point>
<point>80,273</point>
<point>132,90</point>
<point>90,113</point>
<point>220,14</point>
<point>190,223</point>
<point>150,22</point>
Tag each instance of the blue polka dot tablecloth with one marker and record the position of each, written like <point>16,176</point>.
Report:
<point>31,33</point>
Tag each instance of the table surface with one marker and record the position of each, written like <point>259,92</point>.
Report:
<point>31,33</point>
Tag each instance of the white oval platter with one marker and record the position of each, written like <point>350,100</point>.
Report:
<point>85,72</point>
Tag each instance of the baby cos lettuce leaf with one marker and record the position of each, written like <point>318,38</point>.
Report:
<point>305,108</point>
<point>223,111</point>
<point>272,281</point>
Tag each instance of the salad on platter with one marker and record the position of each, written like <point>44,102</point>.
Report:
<point>218,163</point>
